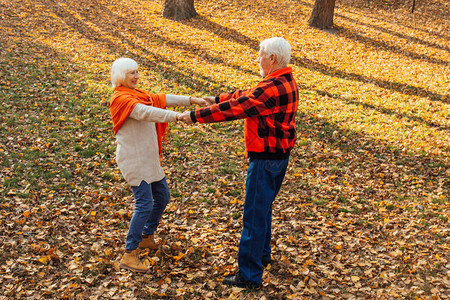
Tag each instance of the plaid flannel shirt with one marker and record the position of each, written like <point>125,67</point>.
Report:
<point>269,111</point>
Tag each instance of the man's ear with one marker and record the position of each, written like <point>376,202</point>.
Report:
<point>273,58</point>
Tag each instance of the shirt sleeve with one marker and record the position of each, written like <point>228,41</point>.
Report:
<point>227,96</point>
<point>148,113</point>
<point>176,100</point>
<point>255,102</point>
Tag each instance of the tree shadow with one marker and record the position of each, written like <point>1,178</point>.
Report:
<point>383,110</point>
<point>400,35</point>
<point>402,88</point>
<point>154,61</point>
<point>429,12</point>
<point>352,34</point>
<point>232,35</point>
<point>357,37</point>
<point>103,14</point>
<point>154,35</point>
<point>236,37</point>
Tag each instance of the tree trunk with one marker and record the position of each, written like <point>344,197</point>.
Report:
<point>178,9</point>
<point>322,14</point>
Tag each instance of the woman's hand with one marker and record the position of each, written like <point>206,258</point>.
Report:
<point>211,100</point>
<point>198,101</point>
<point>185,117</point>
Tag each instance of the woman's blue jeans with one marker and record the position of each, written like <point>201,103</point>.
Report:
<point>264,179</point>
<point>150,202</point>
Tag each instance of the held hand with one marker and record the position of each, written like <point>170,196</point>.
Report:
<point>211,100</point>
<point>199,101</point>
<point>185,117</point>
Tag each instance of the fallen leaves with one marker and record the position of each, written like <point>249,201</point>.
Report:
<point>364,208</point>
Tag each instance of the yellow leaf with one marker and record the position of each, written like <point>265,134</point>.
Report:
<point>108,252</point>
<point>179,256</point>
<point>44,259</point>
<point>308,262</point>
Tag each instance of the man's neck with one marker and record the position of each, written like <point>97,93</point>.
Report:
<point>275,68</point>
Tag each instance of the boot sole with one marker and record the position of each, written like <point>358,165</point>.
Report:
<point>133,269</point>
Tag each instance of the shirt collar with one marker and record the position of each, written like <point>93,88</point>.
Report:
<point>279,72</point>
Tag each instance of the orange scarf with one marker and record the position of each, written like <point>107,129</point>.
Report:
<point>123,102</point>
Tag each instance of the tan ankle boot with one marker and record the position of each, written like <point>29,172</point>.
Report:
<point>148,242</point>
<point>132,262</point>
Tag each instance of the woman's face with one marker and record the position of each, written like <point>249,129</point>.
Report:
<point>131,79</point>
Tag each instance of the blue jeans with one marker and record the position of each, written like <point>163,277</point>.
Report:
<point>150,202</point>
<point>264,179</point>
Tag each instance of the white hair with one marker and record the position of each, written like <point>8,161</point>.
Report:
<point>279,47</point>
<point>119,69</point>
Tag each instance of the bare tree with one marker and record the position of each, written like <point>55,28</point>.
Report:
<point>178,9</point>
<point>322,14</point>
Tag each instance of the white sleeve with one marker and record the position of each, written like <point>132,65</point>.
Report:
<point>148,113</point>
<point>175,100</point>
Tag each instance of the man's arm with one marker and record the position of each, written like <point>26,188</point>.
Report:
<point>256,102</point>
<point>228,96</point>
<point>224,97</point>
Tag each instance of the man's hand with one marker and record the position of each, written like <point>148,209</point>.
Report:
<point>210,100</point>
<point>199,101</point>
<point>185,117</point>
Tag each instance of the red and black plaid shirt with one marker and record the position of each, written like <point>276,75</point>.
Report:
<point>268,109</point>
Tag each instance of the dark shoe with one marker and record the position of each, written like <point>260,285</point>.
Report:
<point>237,280</point>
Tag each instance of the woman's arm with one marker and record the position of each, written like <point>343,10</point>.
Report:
<point>175,100</point>
<point>148,113</point>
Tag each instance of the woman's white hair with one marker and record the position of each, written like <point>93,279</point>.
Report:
<point>119,69</point>
<point>279,47</point>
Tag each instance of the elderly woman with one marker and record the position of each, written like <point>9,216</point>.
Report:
<point>139,122</point>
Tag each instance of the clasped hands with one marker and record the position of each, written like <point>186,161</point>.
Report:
<point>186,116</point>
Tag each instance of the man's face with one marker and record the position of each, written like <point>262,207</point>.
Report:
<point>131,79</point>
<point>265,63</point>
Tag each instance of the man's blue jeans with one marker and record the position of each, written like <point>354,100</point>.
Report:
<point>264,179</point>
<point>150,202</point>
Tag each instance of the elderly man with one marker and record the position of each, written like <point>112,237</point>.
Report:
<point>269,111</point>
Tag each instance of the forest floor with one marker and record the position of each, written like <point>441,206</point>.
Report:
<point>364,209</point>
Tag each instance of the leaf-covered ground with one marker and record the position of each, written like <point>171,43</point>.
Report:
<point>364,210</point>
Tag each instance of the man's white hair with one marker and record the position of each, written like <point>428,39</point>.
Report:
<point>119,69</point>
<point>279,47</point>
